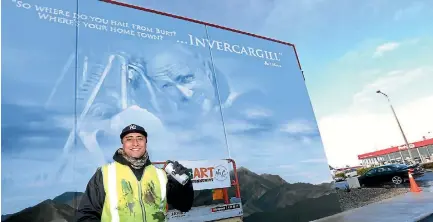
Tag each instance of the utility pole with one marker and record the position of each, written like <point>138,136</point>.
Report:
<point>401,129</point>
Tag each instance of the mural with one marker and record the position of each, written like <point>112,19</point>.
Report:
<point>80,72</point>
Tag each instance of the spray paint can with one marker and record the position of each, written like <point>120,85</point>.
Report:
<point>181,178</point>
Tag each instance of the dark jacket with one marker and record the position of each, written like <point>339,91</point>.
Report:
<point>90,209</point>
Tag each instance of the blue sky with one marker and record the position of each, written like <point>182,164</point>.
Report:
<point>323,31</point>
<point>268,117</point>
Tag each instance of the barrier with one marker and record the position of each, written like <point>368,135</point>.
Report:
<point>232,206</point>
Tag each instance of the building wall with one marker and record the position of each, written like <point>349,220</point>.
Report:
<point>68,90</point>
<point>425,151</point>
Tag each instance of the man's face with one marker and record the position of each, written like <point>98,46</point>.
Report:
<point>134,145</point>
<point>182,77</point>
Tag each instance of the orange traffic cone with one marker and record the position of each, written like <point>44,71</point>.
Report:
<point>413,186</point>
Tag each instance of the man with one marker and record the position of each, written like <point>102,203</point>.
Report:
<point>131,188</point>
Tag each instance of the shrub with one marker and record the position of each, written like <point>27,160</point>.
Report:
<point>340,175</point>
<point>362,171</point>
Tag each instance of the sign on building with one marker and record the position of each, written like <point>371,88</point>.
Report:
<point>208,174</point>
<point>411,146</point>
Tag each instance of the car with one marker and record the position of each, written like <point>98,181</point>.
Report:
<point>417,169</point>
<point>389,174</point>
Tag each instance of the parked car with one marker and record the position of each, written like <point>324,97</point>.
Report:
<point>418,169</point>
<point>389,174</point>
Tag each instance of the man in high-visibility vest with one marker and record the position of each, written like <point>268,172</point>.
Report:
<point>131,188</point>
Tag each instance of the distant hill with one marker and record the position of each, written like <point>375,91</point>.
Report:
<point>46,211</point>
<point>265,197</point>
<point>270,193</point>
<point>70,198</point>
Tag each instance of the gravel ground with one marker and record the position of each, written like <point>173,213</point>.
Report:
<point>361,197</point>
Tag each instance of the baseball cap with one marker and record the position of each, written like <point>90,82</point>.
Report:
<point>133,128</point>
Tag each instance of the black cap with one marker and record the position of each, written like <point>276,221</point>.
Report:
<point>133,128</point>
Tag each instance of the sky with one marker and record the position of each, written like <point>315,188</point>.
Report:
<point>269,125</point>
<point>348,50</point>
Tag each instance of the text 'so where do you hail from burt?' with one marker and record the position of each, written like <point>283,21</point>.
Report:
<point>144,31</point>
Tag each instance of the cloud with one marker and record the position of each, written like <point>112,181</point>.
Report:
<point>390,83</point>
<point>368,123</point>
<point>317,160</point>
<point>30,124</point>
<point>258,125</point>
<point>355,69</point>
<point>386,47</point>
<point>253,113</point>
<point>281,168</point>
<point>234,126</point>
<point>286,166</point>
<point>298,127</point>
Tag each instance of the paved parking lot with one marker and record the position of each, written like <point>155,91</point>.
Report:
<point>408,207</point>
<point>426,182</point>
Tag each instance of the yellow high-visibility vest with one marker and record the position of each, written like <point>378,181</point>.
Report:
<point>128,199</point>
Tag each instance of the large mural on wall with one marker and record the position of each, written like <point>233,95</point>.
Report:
<point>80,72</point>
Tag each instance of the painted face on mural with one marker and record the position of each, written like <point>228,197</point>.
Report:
<point>171,80</point>
<point>134,145</point>
<point>183,78</point>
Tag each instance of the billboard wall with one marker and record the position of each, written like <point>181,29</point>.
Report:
<point>76,73</point>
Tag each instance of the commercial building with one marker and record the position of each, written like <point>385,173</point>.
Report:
<point>425,148</point>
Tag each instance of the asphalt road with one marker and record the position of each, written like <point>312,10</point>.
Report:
<point>425,182</point>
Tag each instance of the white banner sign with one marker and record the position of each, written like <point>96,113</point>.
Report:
<point>209,174</point>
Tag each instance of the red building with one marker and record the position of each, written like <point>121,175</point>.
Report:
<point>425,148</point>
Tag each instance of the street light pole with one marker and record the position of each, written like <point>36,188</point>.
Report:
<point>401,129</point>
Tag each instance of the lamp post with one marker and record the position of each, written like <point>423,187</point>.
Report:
<point>401,130</point>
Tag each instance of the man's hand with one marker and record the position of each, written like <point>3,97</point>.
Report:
<point>178,168</point>
<point>179,196</point>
